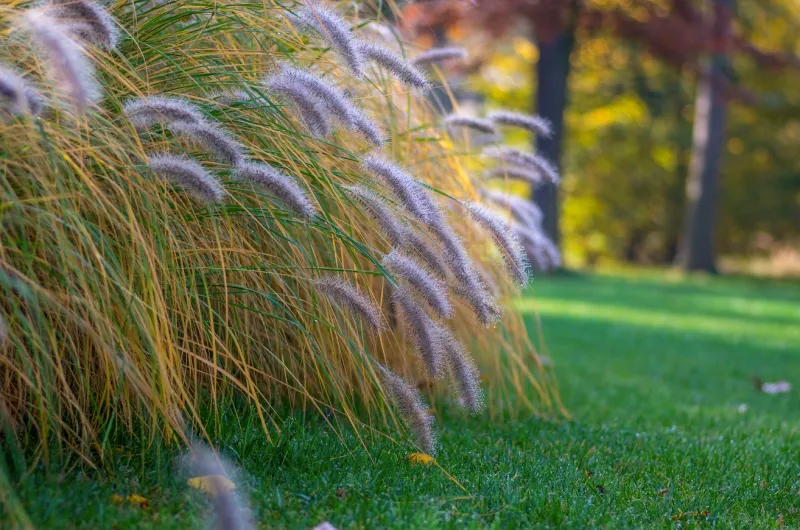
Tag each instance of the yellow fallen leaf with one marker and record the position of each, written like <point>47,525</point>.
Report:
<point>420,458</point>
<point>116,499</point>
<point>137,499</point>
<point>212,484</point>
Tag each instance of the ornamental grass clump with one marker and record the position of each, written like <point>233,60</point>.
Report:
<point>169,278</point>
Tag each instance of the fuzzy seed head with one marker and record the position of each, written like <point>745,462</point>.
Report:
<point>532,176</point>
<point>278,184</point>
<point>312,111</point>
<point>222,146</point>
<point>351,299</point>
<point>432,290</point>
<point>463,370</point>
<point>66,63</point>
<point>377,209</point>
<point>366,127</point>
<point>506,242</point>
<point>437,55</point>
<point>517,157</point>
<point>415,413</point>
<point>534,124</point>
<point>16,96</point>
<point>189,175</point>
<point>330,25</point>
<point>423,331</point>
<point>332,97</point>
<point>470,122</point>
<point>403,186</point>
<point>525,211</point>
<point>89,20</point>
<point>402,69</point>
<point>145,112</point>
<point>427,251</point>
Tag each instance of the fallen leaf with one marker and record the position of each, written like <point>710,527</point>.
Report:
<point>420,458</point>
<point>341,493</point>
<point>138,499</point>
<point>663,491</point>
<point>325,525</point>
<point>116,499</point>
<point>212,484</point>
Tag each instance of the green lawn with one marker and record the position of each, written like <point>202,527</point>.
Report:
<point>654,371</point>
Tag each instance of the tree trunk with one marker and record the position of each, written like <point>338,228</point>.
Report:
<point>552,72</point>
<point>697,251</point>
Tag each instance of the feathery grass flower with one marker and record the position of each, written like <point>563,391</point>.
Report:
<point>407,190</point>
<point>282,186</point>
<point>67,64</point>
<point>432,290</point>
<point>337,31</point>
<point>517,157</point>
<point>415,413</point>
<point>423,330</point>
<point>312,111</point>
<point>525,174</point>
<point>463,370</point>
<point>534,124</point>
<point>380,213</point>
<point>350,298</point>
<point>470,122</point>
<point>147,111</point>
<point>332,98</point>
<point>501,234</point>
<point>212,138</point>
<point>402,69</point>
<point>437,55</point>
<point>89,20</point>
<point>189,175</point>
<point>16,95</point>
<point>425,250</point>
<point>525,211</point>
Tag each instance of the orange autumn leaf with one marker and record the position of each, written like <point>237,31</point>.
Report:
<point>212,484</point>
<point>420,458</point>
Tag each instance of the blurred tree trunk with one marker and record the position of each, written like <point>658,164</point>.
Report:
<point>697,247</point>
<point>552,73</point>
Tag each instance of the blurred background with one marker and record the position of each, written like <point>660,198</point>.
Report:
<point>676,121</point>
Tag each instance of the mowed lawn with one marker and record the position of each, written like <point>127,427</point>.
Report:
<point>668,432</point>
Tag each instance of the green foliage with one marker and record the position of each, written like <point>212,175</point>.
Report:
<point>655,391</point>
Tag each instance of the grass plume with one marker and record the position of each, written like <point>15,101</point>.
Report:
<point>401,183</point>
<point>437,55</point>
<point>89,20</point>
<point>402,69</point>
<point>189,175</point>
<point>506,242</point>
<point>17,97</point>
<point>209,136</point>
<point>350,298</point>
<point>463,370</point>
<point>427,340</point>
<point>145,112</point>
<point>379,211</point>
<point>337,31</point>
<point>432,290</point>
<point>312,112</point>
<point>517,157</point>
<point>278,184</point>
<point>67,64</point>
<point>534,124</point>
<point>408,401</point>
<point>470,122</point>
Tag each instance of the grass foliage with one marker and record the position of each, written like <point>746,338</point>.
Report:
<point>130,306</point>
